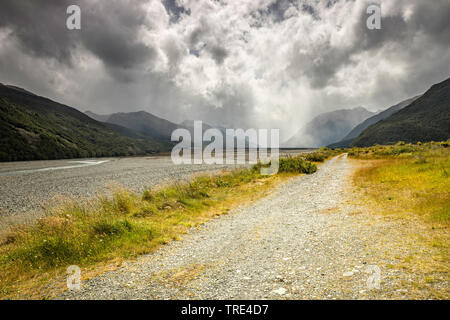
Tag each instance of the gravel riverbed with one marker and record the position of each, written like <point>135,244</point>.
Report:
<point>25,186</point>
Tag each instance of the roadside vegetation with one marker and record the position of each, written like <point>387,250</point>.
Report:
<point>408,179</point>
<point>124,225</point>
<point>410,183</point>
<point>321,155</point>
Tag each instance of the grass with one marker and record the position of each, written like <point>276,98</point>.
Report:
<point>409,180</point>
<point>410,183</point>
<point>124,225</point>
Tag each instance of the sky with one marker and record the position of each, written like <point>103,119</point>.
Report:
<point>234,63</point>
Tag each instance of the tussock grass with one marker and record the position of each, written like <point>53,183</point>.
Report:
<point>125,224</point>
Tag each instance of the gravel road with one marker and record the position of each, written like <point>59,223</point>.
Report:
<point>301,242</point>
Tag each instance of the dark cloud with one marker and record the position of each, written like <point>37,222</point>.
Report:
<point>218,53</point>
<point>321,63</point>
<point>203,38</point>
<point>109,30</point>
<point>39,27</point>
<point>433,20</point>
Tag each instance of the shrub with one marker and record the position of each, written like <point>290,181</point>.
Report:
<point>315,157</point>
<point>112,228</point>
<point>296,165</point>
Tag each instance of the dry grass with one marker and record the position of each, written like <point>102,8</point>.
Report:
<point>412,189</point>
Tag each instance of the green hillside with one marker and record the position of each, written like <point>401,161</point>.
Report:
<point>33,128</point>
<point>426,119</point>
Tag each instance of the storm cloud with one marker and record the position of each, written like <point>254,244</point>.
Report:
<point>247,63</point>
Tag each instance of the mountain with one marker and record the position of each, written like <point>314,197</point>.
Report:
<point>328,128</point>
<point>34,127</point>
<point>426,119</point>
<point>348,139</point>
<point>189,124</point>
<point>98,117</point>
<point>144,123</point>
<point>140,122</point>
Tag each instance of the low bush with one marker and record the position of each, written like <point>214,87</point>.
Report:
<point>296,165</point>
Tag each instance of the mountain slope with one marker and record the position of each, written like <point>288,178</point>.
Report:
<point>426,119</point>
<point>145,123</point>
<point>348,139</point>
<point>34,127</point>
<point>328,128</point>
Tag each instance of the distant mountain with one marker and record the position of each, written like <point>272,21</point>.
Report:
<point>328,128</point>
<point>189,125</point>
<point>348,139</point>
<point>34,127</point>
<point>143,124</point>
<point>98,117</point>
<point>140,122</point>
<point>426,119</point>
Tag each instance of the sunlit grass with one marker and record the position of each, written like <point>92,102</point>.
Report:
<point>410,184</point>
<point>413,183</point>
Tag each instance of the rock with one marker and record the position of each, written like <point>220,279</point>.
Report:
<point>280,291</point>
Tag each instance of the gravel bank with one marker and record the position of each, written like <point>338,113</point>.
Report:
<point>302,242</point>
<point>24,186</point>
<point>27,186</point>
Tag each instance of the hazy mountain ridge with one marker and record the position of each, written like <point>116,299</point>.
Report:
<point>140,122</point>
<point>189,125</point>
<point>328,127</point>
<point>425,119</point>
<point>348,139</point>
<point>98,117</point>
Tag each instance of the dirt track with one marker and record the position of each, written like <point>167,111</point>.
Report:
<point>295,244</point>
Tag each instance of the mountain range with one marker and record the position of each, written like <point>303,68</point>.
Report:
<point>348,139</point>
<point>34,127</point>
<point>425,119</point>
<point>145,124</point>
<point>328,128</point>
<point>141,122</point>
